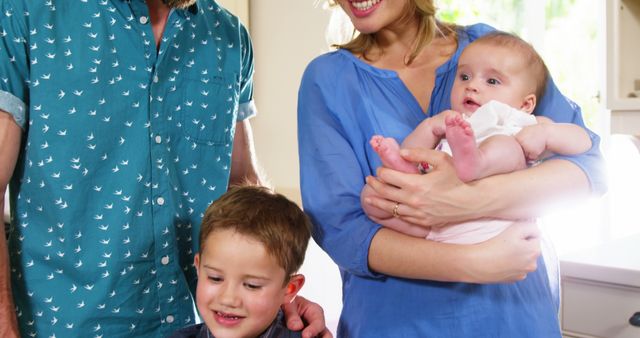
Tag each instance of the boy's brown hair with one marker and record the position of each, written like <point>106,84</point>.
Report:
<point>266,216</point>
<point>530,57</point>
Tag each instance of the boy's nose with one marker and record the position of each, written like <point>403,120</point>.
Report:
<point>229,296</point>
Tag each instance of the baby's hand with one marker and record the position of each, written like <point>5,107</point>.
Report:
<point>533,140</point>
<point>438,122</point>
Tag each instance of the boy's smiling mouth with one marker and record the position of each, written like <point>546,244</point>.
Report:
<point>227,319</point>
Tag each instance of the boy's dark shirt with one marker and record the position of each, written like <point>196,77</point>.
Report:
<point>277,329</point>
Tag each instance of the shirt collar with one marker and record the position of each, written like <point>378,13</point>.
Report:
<point>193,9</point>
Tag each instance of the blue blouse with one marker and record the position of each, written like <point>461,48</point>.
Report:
<point>124,148</point>
<point>342,103</point>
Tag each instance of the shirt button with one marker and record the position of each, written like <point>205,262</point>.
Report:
<point>158,139</point>
<point>170,319</point>
<point>160,201</point>
<point>144,20</point>
<point>164,260</point>
<point>155,79</point>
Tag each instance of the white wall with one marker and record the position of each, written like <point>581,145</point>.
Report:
<point>239,8</point>
<point>286,35</point>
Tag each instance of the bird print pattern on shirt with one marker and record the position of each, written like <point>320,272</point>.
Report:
<point>126,148</point>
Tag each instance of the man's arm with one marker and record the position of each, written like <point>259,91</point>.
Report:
<point>9,148</point>
<point>244,164</point>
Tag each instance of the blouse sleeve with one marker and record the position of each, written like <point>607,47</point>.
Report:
<point>560,109</point>
<point>331,177</point>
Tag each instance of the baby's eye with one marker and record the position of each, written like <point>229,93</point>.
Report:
<point>464,77</point>
<point>252,286</point>
<point>493,81</point>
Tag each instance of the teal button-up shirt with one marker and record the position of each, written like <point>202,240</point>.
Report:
<point>124,147</point>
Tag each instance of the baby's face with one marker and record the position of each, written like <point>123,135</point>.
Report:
<point>487,72</point>
<point>240,286</point>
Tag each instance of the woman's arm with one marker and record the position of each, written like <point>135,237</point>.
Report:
<point>439,197</point>
<point>505,258</point>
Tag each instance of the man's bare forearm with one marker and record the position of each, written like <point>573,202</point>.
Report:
<point>10,134</point>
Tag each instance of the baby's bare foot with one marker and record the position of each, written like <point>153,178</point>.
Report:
<point>466,157</point>
<point>389,152</point>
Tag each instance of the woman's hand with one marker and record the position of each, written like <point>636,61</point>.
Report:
<point>434,199</point>
<point>507,257</point>
<point>312,314</point>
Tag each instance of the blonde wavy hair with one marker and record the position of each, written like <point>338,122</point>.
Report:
<point>428,28</point>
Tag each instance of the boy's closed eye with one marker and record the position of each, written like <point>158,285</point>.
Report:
<point>215,279</point>
<point>252,286</point>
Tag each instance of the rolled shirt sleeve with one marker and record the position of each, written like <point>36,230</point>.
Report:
<point>247,107</point>
<point>14,70</point>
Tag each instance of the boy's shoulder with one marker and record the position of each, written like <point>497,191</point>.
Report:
<point>193,331</point>
<point>278,329</point>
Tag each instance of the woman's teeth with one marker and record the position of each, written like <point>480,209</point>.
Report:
<point>364,5</point>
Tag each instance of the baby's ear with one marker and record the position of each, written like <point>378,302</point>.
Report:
<point>293,287</point>
<point>529,103</point>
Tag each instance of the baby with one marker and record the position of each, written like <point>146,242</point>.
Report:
<point>490,129</point>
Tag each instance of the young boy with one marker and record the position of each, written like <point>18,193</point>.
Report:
<point>490,129</point>
<point>252,242</point>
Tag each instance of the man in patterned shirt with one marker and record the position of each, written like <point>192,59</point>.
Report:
<point>120,122</point>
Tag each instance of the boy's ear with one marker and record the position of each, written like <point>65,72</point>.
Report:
<point>293,286</point>
<point>529,103</point>
<point>196,262</point>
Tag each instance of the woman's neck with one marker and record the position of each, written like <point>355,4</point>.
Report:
<point>396,38</point>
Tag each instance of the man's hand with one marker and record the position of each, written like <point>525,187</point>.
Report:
<point>311,313</point>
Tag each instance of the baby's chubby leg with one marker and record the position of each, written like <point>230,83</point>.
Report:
<point>389,152</point>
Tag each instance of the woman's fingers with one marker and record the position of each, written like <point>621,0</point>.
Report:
<point>435,158</point>
<point>524,237</point>
<point>436,161</point>
<point>387,191</point>
<point>427,200</point>
<point>510,256</point>
<point>403,211</point>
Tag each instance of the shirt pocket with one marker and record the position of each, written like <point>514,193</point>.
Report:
<point>211,108</point>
